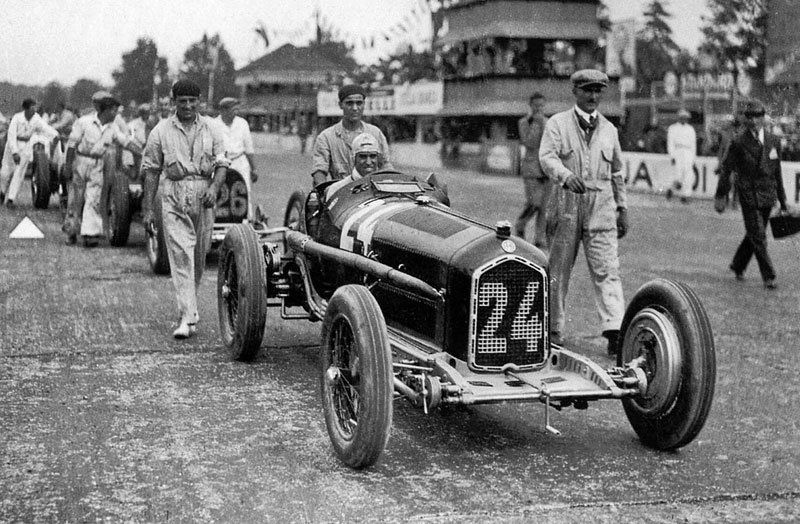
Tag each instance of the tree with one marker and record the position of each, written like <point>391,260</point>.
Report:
<point>209,59</point>
<point>735,35</point>
<point>142,74</point>
<point>52,95</point>
<point>81,93</point>
<point>655,48</point>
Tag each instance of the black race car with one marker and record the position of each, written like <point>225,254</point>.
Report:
<point>419,301</point>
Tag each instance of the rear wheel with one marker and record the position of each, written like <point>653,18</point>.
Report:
<point>156,242</point>
<point>40,183</point>
<point>667,329</point>
<point>242,292</point>
<point>119,211</point>
<point>356,373</point>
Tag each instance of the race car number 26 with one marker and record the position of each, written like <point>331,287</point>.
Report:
<point>232,200</point>
<point>510,318</point>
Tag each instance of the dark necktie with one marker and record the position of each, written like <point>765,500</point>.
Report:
<point>587,127</point>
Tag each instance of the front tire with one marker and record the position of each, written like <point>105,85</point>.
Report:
<point>242,292</point>
<point>40,184</point>
<point>157,242</point>
<point>667,326</point>
<point>119,211</point>
<point>356,375</point>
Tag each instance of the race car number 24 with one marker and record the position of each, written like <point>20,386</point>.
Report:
<point>504,323</point>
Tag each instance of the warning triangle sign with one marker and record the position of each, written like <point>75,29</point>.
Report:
<point>26,229</point>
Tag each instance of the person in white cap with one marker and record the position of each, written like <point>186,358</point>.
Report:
<point>26,127</point>
<point>365,161</point>
<point>581,154</point>
<point>682,149</point>
<point>92,135</point>
<point>238,143</point>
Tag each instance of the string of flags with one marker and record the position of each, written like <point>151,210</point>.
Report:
<point>419,14</point>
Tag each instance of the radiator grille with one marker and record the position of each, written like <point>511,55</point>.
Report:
<point>508,315</point>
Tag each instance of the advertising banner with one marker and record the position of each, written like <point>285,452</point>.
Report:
<point>654,173</point>
<point>420,98</point>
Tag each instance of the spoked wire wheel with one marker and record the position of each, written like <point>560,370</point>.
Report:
<point>356,374</point>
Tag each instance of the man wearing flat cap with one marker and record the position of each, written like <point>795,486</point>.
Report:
<point>92,138</point>
<point>682,150</point>
<point>333,154</point>
<point>755,156</point>
<point>580,152</point>
<point>190,151</point>
<point>238,143</point>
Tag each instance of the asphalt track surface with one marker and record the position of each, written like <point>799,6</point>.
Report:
<point>104,417</point>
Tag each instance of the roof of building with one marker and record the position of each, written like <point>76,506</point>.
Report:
<point>291,58</point>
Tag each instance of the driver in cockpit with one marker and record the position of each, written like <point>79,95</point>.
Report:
<point>365,159</point>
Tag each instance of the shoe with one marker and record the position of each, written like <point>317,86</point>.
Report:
<point>739,275</point>
<point>611,335</point>
<point>770,284</point>
<point>184,331</point>
<point>10,204</point>
<point>2,197</point>
<point>684,200</point>
<point>90,242</point>
<point>72,239</point>
<point>669,193</point>
<point>556,338</point>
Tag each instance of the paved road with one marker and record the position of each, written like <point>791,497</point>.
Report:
<point>105,417</point>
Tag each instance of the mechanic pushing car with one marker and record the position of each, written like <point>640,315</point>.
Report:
<point>580,152</point>
<point>91,137</point>
<point>238,143</point>
<point>333,157</point>
<point>24,126</point>
<point>190,149</point>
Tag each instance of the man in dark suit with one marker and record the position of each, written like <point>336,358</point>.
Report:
<point>755,156</point>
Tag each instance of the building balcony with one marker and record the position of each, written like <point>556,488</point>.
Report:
<point>508,95</point>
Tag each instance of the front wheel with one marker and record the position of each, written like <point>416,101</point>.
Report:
<point>157,242</point>
<point>119,211</point>
<point>40,184</point>
<point>242,292</point>
<point>666,328</point>
<point>356,375</point>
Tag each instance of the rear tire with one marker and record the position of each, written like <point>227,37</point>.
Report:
<point>40,183</point>
<point>356,375</point>
<point>242,292</point>
<point>156,242</point>
<point>667,325</point>
<point>119,211</point>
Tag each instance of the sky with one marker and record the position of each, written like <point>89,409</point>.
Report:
<point>65,40</point>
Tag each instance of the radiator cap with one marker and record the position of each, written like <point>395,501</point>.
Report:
<point>503,229</point>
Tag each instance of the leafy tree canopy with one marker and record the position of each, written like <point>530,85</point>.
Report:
<point>734,34</point>
<point>208,58</point>
<point>142,70</point>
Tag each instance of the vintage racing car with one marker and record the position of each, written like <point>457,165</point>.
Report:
<point>419,301</point>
